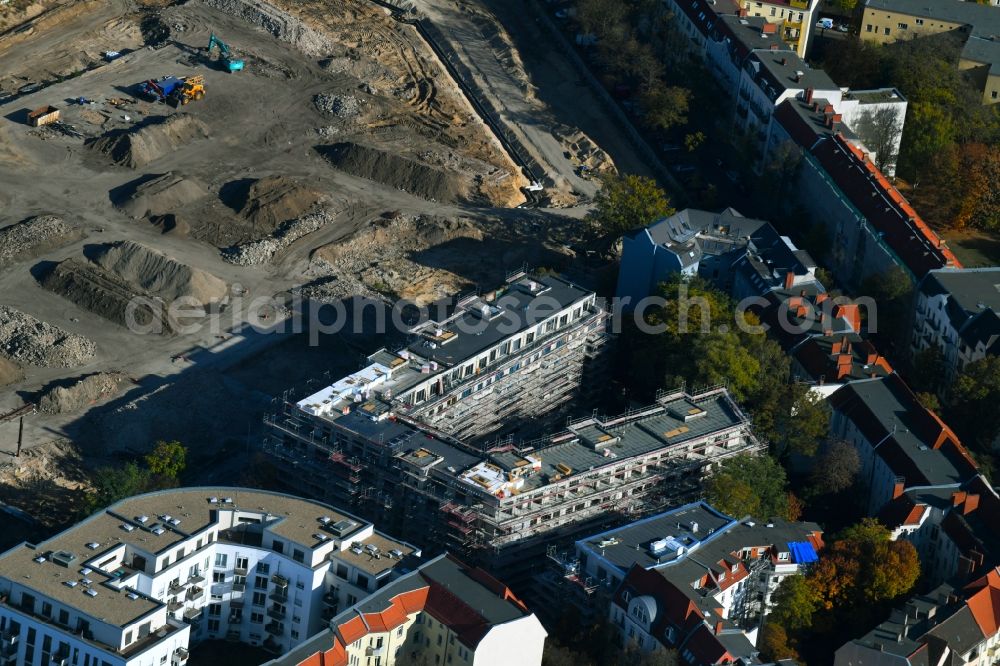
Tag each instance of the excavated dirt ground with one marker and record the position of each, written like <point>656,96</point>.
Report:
<point>234,194</point>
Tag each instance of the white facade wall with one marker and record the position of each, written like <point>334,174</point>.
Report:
<point>519,641</point>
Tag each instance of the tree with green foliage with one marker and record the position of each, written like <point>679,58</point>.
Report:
<point>720,359</point>
<point>749,485</point>
<point>112,484</point>
<point>628,202</point>
<point>972,402</point>
<point>804,423</point>
<point>665,107</point>
<point>795,602</point>
<point>167,460</point>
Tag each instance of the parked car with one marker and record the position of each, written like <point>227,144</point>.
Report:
<point>843,27</point>
<point>825,23</point>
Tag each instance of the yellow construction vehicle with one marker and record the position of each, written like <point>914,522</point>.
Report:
<point>193,87</point>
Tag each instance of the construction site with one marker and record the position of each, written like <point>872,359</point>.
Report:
<point>213,150</point>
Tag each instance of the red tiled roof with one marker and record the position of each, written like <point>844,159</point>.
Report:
<point>902,229</point>
<point>984,602</point>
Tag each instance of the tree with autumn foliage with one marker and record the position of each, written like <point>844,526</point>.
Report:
<point>864,566</point>
<point>775,644</point>
<point>628,202</point>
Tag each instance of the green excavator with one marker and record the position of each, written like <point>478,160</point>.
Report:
<point>230,63</point>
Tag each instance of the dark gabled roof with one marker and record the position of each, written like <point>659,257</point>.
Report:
<point>821,358</point>
<point>973,302</point>
<point>914,442</point>
<point>779,71</point>
<point>891,215</point>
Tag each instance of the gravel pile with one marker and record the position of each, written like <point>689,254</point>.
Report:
<point>282,25</point>
<point>261,251</point>
<point>27,340</point>
<point>25,239</point>
<point>341,106</point>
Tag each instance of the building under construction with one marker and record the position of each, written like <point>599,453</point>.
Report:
<point>485,366</point>
<point>501,506</point>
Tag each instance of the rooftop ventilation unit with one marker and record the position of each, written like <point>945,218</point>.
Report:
<point>175,521</point>
<point>325,520</point>
<point>228,500</point>
<point>142,519</point>
<point>85,571</point>
<point>357,549</point>
<point>213,500</point>
<point>166,517</point>
<point>133,596</point>
<point>93,545</point>
<point>127,527</point>
<point>158,530</point>
<point>86,581</point>
<point>40,559</point>
<point>90,592</point>
<point>63,558</point>
<point>320,537</point>
<point>70,583</point>
<point>396,553</point>
<point>342,527</point>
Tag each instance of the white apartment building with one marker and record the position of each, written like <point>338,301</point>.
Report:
<point>956,312</point>
<point>139,582</point>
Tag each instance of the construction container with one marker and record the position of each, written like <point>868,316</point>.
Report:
<point>43,116</point>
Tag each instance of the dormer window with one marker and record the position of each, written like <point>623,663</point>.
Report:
<point>783,556</point>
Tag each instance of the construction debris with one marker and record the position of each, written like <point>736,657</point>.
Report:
<point>83,394</point>
<point>263,250</point>
<point>32,237</point>
<point>27,340</point>
<point>154,138</point>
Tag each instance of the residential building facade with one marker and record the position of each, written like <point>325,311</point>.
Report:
<point>443,613</point>
<point>955,312</point>
<point>141,581</point>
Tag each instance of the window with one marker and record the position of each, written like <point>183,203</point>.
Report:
<point>46,609</point>
<point>220,559</point>
<point>218,577</point>
<point>299,585</point>
<point>298,555</point>
<point>213,625</point>
<point>128,638</point>
<point>886,30</point>
<point>278,546</point>
<point>258,598</point>
<point>902,26</point>
<point>242,562</point>
<point>773,11</point>
<point>215,609</point>
<point>919,21</point>
<point>868,28</point>
<point>295,634</point>
<point>256,617</point>
<point>260,583</point>
<point>263,568</point>
<point>363,581</point>
<point>993,94</point>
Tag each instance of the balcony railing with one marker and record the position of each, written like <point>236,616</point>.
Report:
<point>276,628</point>
<point>276,613</point>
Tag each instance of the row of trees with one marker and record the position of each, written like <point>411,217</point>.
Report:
<point>861,574</point>
<point>951,143</point>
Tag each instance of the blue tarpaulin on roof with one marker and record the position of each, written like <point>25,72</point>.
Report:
<point>802,552</point>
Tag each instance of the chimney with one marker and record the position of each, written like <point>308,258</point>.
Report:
<point>773,47</point>
<point>871,357</point>
<point>820,298</point>
<point>829,120</point>
<point>837,118</point>
<point>958,497</point>
<point>784,61</point>
<point>789,279</point>
<point>718,628</point>
<point>971,504</point>
<point>828,108</point>
<point>809,95</point>
<point>835,347</point>
<point>897,489</point>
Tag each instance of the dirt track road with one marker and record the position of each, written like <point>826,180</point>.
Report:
<point>563,97</point>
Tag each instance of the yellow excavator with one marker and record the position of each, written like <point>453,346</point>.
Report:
<point>192,88</point>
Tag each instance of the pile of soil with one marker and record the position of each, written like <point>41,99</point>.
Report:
<point>82,394</point>
<point>161,195</point>
<point>275,199</point>
<point>396,171</point>
<point>10,372</point>
<point>159,275</point>
<point>150,140</point>
<point>105,294</point>
<point>25,339</point>
<point>33,237</point>
<point>171,224</point>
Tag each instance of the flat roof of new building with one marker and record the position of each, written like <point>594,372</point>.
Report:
<point>513,310</point>
<point>179,514</point>
<point>590,443</point>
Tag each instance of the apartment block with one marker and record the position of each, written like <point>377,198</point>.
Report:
<point>487,365</point>
<point>976,25</point>
<point>955,528</point>
<point>901,443</point>
<point>743,256</point>
<point>691,579</point>
<point>141,581</point>
<point>793,19</point>
<point>828,362</point>
<point>501,505</point>
<point>955,311</point>
<point>445,612</point>
<point>954,625</point>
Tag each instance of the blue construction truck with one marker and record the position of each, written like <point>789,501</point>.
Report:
<point>161,89</point>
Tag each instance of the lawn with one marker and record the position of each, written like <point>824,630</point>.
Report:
<point>973,248</point>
